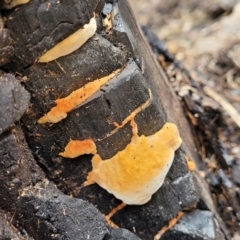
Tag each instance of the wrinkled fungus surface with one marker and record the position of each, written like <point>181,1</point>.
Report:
<point>138,171</point>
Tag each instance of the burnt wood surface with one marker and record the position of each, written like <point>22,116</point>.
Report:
<point>38,206</point>
<point>6,48</point>
<point>14,101</point>
<point>40,25</point>
<point>35,28</point>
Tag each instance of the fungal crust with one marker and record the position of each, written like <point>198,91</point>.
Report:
<point>138,171</point>
<point>71,43</point>
<point>190,164</point>
<point>76,148</point>
<point>76,98</point>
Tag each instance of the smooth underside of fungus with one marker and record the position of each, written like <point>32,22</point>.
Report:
<point>134,174</point>
<point>71,43</point>
<point>15,3</point>
<point>76,98</point>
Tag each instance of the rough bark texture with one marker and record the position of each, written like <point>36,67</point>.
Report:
<point>40,207</point>
<point>5,44</point>
<point>14,101</point>
<point>38,26</point>
<point>7,229</point>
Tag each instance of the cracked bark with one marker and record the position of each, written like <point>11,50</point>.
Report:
<point>37,184</point>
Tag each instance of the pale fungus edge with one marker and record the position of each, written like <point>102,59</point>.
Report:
<point>71,43</point>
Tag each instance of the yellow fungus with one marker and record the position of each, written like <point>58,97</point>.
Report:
<point>76,148</point>
<point>76,98</point>
<point>71,43</point>
<point>138,171</point>
<point>190,164</point>
<point>134,174</point>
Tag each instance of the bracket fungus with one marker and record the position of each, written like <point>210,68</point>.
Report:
<point>134,174</point>
<point>71,43</point>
